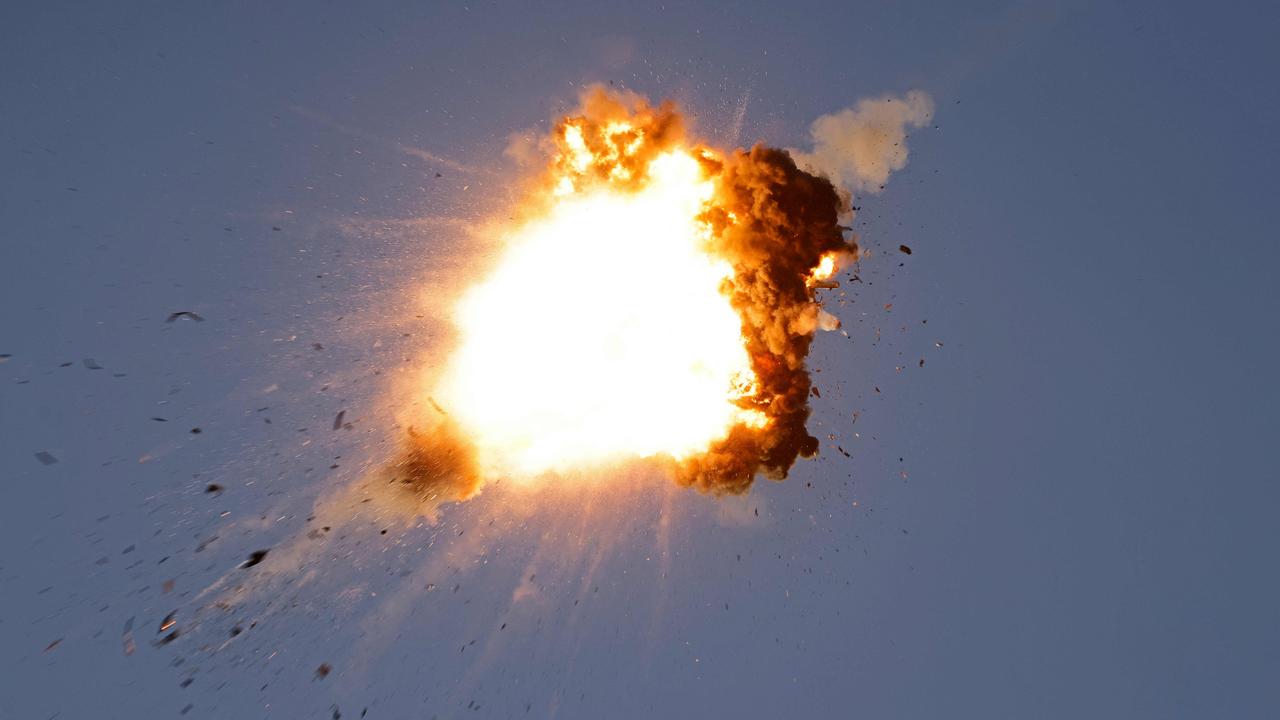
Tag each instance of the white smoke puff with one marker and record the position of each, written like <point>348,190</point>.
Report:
<point>859,147</point>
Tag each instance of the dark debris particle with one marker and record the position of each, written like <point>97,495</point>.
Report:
<point>159,419</point>
<point>186,683</point>
<point>236,630</point>
<point>53,645</point>
<point>183,314</point>
<point>213,488</point>
<point>91,364</point>
<point>186,709</point>
<point>337,421</point>
<point>904,249</point>
<point>254,558</point>
<point>323,671</point>
<point>169,638</point>
<point>196,431</point>
<point>46,458</point>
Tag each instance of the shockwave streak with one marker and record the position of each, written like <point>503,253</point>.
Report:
<point>658,303</point>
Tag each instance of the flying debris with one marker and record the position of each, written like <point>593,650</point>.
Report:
<point>183,314</point>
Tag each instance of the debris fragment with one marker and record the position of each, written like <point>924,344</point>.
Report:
<point>183,314</point>
<point>337,421</point>
<point>46,458</point>
<point>904,249</point>
<point>53,645</point>
<point>213,488</point>
<point>91,364</point>
<point>323,671</point>
<point>254,558</point>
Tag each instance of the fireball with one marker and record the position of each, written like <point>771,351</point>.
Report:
<point>656,302</point>
<point>602,333</point>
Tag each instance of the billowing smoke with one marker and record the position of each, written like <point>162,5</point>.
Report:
<point>859,147</point>
<point>786,222</point>
<point>769,217</point>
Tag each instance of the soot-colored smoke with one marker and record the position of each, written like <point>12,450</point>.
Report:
<point>774,223</point>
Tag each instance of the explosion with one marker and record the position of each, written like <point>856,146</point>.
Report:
<point>658,302</point>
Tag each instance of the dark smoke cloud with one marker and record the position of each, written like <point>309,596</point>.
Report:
<point>774,222</point>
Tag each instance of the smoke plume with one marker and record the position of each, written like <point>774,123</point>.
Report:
<point>859,147</point>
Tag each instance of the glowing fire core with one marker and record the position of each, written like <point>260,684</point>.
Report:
<point>602,333</point>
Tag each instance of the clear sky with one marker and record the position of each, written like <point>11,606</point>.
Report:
<point>1067,511</point>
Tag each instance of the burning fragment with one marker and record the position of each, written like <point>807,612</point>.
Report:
<point>656,300</point>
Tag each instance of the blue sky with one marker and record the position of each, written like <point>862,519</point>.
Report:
<point>1085,523</point>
